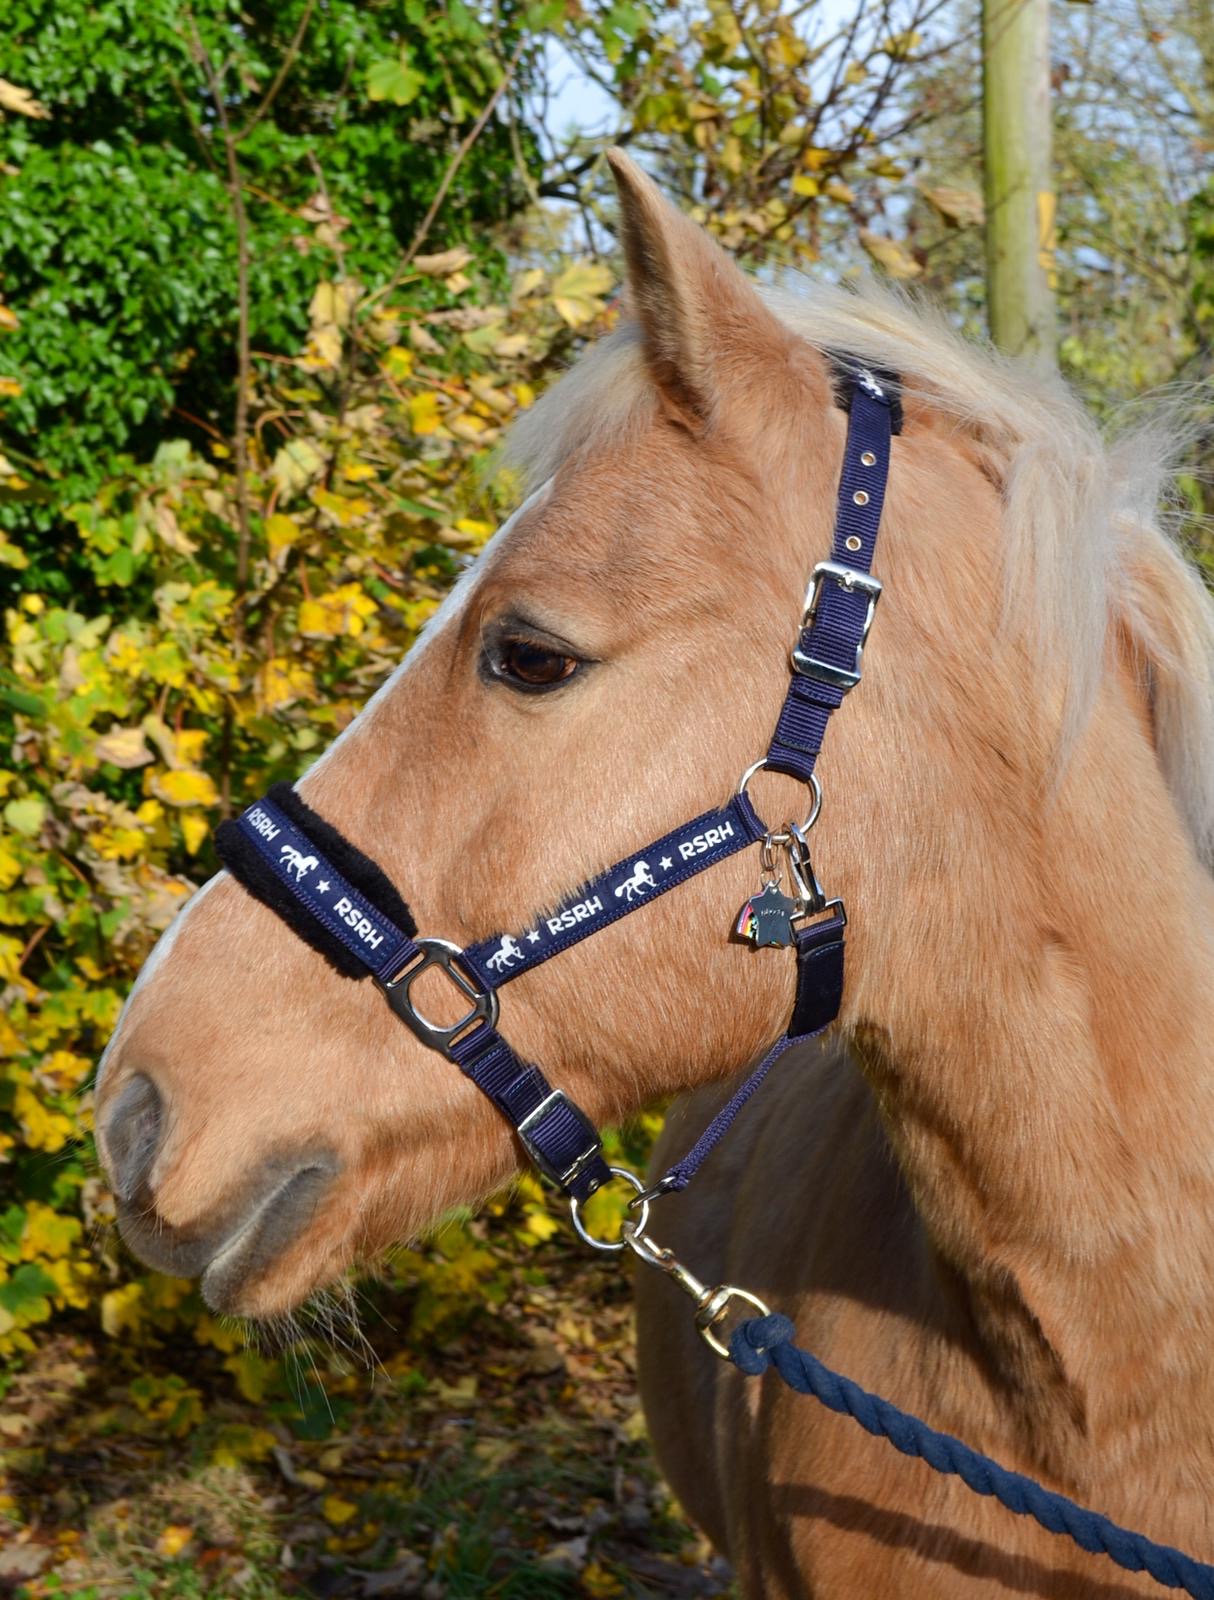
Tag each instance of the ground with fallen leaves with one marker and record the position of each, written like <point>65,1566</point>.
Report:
<point>504,1458</point>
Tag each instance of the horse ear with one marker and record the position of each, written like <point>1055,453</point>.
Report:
<point>706,330</point>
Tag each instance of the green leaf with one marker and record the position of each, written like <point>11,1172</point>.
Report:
<point>26,1291</point>
<point>26,816</point>
<point>395,81</point>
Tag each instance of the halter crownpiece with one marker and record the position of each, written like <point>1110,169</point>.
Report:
<point>342,903</point>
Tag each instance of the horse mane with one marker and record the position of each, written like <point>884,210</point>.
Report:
<point>1091,521</point>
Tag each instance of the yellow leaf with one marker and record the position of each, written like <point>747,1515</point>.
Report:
<point>123,747</point>
<point>173,1539</point>
<point>468,427</point>
<point>164,520</point>
<point>238,1442</point>
<point>804,184</point>
<point>856,73</point>
<point>600,1583</point>
<point>511,346</point>
<point>338,1510</point>
<point>8,319</point>
<point>121,1310</point>
<point>578,292</point>
<point>542,1225</point>
<point>333,303</point>
<point>9,388</point>
<point>194,830</point>
<point>890,255</point>
<point>62,1069</point>
<point>423,413</point>
<point>524,394</point>
<point>323,350</point>
<point>343,611</point>
<point>282,681</point>
<point>11,867</point>
<point>295,466</point>
<point>20,100</point>
<point>46,1235</point>
<point>281,532</point>
<point>528,282</point>
<point>186,788</point>
<point>900,45</point>
<point>961,207</point>
<point>442,264</point>
<point>359,471</point>
<point>491,397</point>
<point>180,747</point>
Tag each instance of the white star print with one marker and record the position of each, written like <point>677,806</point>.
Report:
<point>533,938</point>
<point>666,863</point>
<point>323,886</point>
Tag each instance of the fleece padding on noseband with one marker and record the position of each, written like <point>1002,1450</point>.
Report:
<point>243,861</point>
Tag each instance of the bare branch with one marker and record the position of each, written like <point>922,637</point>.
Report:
<point>280,77</point>
<point>457,160</point>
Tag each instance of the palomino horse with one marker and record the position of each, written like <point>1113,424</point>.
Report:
<point>991,1200</point>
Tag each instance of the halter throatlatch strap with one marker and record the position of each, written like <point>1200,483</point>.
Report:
<point>826,663</point>
<point>342,904</point>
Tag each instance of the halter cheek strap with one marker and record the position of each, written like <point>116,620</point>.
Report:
<point>342,903</point>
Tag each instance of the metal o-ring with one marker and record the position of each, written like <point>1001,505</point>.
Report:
<point>868,459</point>
<point>610,1245</point>
<point>814,786</point>
<point>860,497</point>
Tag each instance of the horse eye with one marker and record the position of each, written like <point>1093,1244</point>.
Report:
<point>531,666</point>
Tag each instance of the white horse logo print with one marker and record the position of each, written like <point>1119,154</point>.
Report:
<point>641,880</point>
<point>507,953</point>
<point>296,862</point>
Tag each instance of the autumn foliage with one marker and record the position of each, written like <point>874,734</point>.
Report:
<point>185,690</point>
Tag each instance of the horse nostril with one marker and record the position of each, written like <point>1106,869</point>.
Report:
<point>132,1134</point>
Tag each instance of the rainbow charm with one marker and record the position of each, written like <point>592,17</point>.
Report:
<point>766,919</point>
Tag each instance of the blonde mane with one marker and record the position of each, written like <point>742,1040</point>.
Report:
<point>1087,521</point>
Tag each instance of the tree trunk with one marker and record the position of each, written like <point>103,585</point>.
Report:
<point>1019,181</point>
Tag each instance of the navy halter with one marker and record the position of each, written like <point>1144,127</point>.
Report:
<point>345,906</point>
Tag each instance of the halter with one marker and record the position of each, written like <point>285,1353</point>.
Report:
<point>340,902</point>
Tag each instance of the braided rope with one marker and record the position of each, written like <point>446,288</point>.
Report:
<point>767,1341</point>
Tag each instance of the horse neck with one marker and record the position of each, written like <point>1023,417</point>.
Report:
<point>1037,1027</point>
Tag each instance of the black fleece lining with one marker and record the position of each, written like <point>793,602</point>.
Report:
<point>843,369</point>
<point>245,862</point>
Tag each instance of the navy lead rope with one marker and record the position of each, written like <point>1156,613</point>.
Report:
<point>768,1341</point>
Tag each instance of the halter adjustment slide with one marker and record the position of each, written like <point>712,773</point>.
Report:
<point>579,1164</point>
<point>853,581</point>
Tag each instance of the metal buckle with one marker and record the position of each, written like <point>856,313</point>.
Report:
<point>853,580</point>
<point>579,1163</point>
<point>443,954</point>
